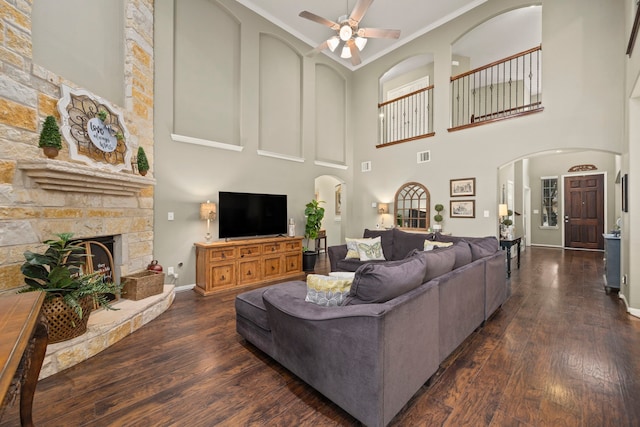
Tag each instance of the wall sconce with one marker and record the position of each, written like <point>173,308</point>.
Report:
<point>208,211</point>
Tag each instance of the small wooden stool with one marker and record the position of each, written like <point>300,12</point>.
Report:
<point>322,236</point>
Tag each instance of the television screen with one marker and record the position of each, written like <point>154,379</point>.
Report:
<point>249,214</point>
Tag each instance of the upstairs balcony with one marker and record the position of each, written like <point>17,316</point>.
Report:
<point>506,88</point>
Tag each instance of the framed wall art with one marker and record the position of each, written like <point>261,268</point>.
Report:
<point>462,209</point>
<point>463,187</point>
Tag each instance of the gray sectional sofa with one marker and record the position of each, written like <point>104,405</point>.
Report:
<point>402,318</point>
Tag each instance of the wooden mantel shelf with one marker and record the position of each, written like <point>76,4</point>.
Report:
<point>58,175</point>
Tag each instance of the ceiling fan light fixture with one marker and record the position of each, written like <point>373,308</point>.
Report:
<point>345,32</point>
<point>346,52</point>
<point>333,43</point>
<point>361,42</point>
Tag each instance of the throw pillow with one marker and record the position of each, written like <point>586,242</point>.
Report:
<point>430,245</point>
<point>343,274</point>
<point>352,248</point>
<point>377,283</point>
<point>370,250</point>
<point>327,291</point>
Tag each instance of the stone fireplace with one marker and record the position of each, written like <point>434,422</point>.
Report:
<point>41,197</point>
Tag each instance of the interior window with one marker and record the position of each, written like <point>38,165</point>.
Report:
<point>549,201</point>
<point>412,203</point>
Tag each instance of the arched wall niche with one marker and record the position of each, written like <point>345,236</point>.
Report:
<point>280,97</point>
<point>330,123</point>
<point>201,109</point>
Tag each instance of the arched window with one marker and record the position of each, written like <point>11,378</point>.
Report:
<point>412,203</point>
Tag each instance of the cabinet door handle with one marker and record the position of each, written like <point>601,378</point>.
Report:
<point>249,273</point>
<point>222,277</point>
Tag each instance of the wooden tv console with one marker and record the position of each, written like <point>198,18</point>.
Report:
<point>233,264</point>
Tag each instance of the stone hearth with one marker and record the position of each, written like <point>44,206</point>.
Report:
<point>105,328</point>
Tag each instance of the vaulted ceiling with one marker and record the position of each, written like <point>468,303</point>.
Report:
<point>412,17</point>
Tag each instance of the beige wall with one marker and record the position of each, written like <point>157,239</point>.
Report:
<point>259,161</point>
<point>29,92</point>
<point>572,78</point>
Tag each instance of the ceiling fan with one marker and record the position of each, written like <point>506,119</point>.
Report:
<point>348,31</point>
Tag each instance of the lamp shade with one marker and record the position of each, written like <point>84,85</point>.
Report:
<point>208,210</point>
<point>383,208</point>
<point>503,210</point>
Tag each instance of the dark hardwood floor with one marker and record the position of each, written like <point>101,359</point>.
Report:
<point>560,352</point>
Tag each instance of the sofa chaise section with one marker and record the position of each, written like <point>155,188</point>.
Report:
<point>369,359</point>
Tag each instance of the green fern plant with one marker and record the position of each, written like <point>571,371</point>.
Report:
<point>58,272</point>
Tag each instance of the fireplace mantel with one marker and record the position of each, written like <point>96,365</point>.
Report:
<point>58,175</point>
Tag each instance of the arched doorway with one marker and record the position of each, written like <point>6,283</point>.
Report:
<point>333,192</point>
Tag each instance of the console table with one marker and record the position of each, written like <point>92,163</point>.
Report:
<point>23,343</point>
<point>507,244</point>
<point>237,263</point>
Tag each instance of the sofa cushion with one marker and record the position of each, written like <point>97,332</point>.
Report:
<point>386,238</point>
<point>483,246</point>
<point>326,290</point>
<point>377,283</point>
<point>463,253</point>
<point>251,306</point>
<point>404,242</point>
<point>438,262</point>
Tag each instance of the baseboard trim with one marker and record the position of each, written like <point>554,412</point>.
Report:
<point>185,288</point>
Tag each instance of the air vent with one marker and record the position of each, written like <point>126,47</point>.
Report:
<point>424,156</point>
<point>365,166</point>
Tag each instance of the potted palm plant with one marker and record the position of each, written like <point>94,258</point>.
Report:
<point>50,140</point>
<point>70,294</point>
<point>314,213</point>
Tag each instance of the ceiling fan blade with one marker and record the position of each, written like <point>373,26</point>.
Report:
<point>358,11</point>
<point>378,33</point>
<point>319,19</point>
<point>318,49</point>
<point>355,53</point>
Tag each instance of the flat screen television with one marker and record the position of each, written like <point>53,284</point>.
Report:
<point>249,214</point>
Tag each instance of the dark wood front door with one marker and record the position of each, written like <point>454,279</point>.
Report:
<point>584,211</point>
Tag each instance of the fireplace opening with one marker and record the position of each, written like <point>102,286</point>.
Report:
<point>100,250</point>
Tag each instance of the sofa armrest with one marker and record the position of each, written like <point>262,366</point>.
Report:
<point>495,282</point>
<point>336,253</point>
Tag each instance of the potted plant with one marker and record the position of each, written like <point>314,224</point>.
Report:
<point>50,140</point>
<point>314,213</point>
<point>506,225</point>
<point>438,217</point>
<point>70,294</point>
<point>143,163</point>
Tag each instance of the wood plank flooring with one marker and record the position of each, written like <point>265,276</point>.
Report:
<point>560,352</point>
